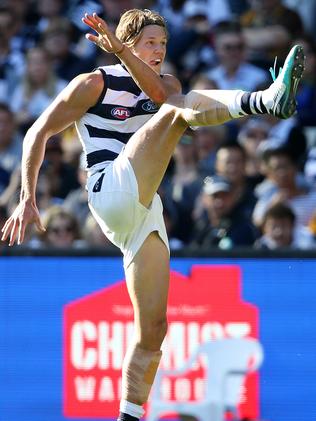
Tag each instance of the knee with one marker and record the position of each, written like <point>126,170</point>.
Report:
<point>173,108</point>
<point>193,100</point>
<point>152,333</point>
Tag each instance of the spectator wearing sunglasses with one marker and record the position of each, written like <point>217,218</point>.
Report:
<point>62,229</point>
<point>233,71</point>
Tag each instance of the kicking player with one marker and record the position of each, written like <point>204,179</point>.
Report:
<point>129,119</point>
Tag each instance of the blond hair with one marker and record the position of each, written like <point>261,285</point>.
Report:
<point>132,23</point>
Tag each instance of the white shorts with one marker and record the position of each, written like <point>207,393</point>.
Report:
<point>114,202</point>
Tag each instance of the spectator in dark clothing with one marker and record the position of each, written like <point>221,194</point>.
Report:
<point>3,218</point>
<point>220,225</point>
<point>10,146</point>
<point>184,187</point>
<point>306,94</point>
<point>231,163</point>
<point>57,41</point>
<point>12,61</point>
<point>76,200</point>
<point>63,176</point>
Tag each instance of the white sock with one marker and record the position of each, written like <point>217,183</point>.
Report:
<point>203,107</point>
<point>132,409</point>
<point>250,103</point>
<point>234,104</point>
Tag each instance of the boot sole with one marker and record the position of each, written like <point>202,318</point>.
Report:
<point>293,71</point>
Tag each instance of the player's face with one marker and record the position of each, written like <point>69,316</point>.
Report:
<point>151,47</point>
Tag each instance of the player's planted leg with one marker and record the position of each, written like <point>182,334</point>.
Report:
<point>148,284</point>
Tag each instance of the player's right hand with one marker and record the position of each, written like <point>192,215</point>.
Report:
<point>24,214</point>
<point>105,38</point>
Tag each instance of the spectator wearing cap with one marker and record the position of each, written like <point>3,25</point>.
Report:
<point>220,226</point>
<point>279,230</point>
<point>233,71</point>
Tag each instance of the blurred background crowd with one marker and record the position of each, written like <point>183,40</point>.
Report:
<point>247,183</point>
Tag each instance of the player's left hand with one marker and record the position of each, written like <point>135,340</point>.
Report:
<point>24,214</point>
<point>105,39</point>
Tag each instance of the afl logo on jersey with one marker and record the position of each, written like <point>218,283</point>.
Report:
<point>121,113</point>
<point>149,106</point>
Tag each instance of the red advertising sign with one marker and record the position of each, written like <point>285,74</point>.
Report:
<point>97,329</point>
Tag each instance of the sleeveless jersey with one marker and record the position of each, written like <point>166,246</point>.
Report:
<point>120,111</point>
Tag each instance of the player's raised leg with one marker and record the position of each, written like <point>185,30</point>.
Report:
<point>151,148</point>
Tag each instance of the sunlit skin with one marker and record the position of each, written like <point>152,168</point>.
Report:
<point>151,47</point>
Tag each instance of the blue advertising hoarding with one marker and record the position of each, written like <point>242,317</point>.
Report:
<point>34,291</point>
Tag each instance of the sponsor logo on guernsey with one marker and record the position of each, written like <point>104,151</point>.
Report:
<point>121,113</point>
<point>149,106</point>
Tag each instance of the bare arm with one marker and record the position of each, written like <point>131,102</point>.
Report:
<point>82,93</point>
<point>157,88</point>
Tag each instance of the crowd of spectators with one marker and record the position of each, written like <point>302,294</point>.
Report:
<point>249,183</point>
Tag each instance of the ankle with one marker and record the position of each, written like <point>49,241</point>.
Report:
<point>126,417</point>
<point>130,411</point>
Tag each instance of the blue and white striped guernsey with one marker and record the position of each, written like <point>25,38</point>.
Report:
<point>121,110</point>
